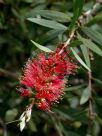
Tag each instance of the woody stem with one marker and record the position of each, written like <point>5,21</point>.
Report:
<point>90,100</point>
<point>67,42</point>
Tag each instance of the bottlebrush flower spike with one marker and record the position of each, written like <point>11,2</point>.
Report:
<point>25,92</point>
<point>46,78</point>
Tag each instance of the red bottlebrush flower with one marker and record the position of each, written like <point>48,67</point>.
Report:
<point>25,92</point>
<point>44,105</point>
<point>45,75</point>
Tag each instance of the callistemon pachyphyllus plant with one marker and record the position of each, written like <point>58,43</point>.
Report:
<point>44,78</point>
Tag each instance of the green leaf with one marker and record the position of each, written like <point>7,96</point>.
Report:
<point>96,128</point>
<point>54,15</point>
<point>79,59</point>
<point>75,43</point>
<point>77,12</point>
<point>73,101</point>
<point>99,120</point>
<point>97,81</point>
<point>63,114</point>
<point>41,47</point>
<point>50,35</point>
<point>32,126</point>
<point>62,5</point>
<point>57,126</point>
<point>74,19</point>
<point>93,34</point>
<point>48,23</point>
<point>92,46</point>
<point>16,14</point>
<point>96,19</point>
<point>74,88</point>
<point>10,115</point>
<point>85,54</point>
<point>85,96</point>
<point>78,5</point>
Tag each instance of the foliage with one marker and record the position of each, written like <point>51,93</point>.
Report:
<point>48,23</point>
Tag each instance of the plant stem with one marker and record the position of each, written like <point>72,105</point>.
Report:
<point>85,17</point>
<point>67,42</point>
<point>91,112</point>
<point>18,120</point>
<point>90,89</point>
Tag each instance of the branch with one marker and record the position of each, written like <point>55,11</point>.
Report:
<point>85,18</point>
<point>67,42</point>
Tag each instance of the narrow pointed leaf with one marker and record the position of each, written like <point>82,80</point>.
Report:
<point>96,19</point>
<point>48,23</point>
<point>54,15</point>
<point>78,5</point>
<point>10,115</point>
<point>92,46</point>
<point>74,19</point>
<point>86,55</point>
<point>77,12</point>
<point>93,34</point>
<point>74,88</point>
<point>85,96</point>
<point>50,35</point>
<point>45,49</point>
<point>98,81</point>
<point>80,60</point>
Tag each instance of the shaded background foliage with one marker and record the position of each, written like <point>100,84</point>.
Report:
<point>70,118</point>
